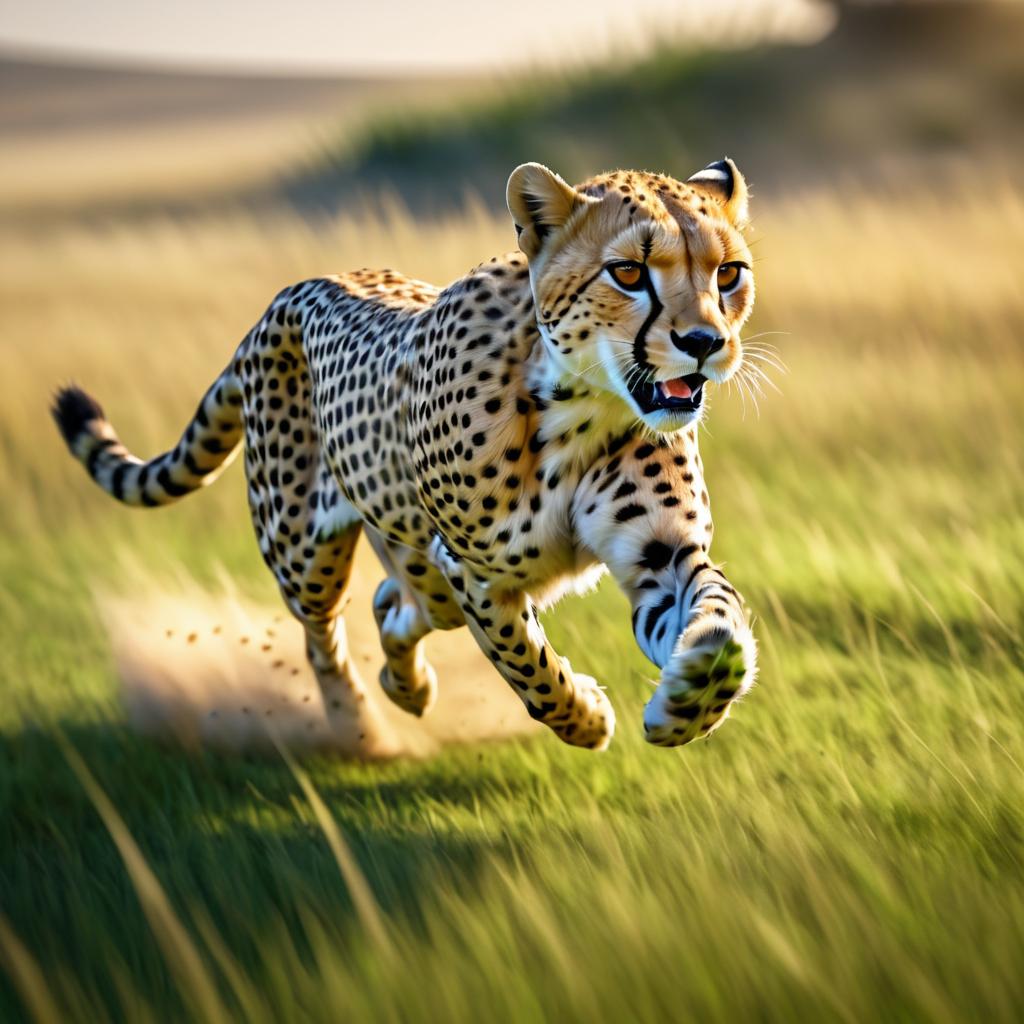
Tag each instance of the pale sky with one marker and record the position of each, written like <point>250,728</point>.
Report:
<point>374,36</point>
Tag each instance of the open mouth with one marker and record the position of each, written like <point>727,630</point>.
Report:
<point>681,394</point>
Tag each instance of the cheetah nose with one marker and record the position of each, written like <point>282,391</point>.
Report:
<point>698,344</point>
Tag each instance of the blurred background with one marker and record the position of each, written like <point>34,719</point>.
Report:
<point>114,109</point>
<point>851,844</point>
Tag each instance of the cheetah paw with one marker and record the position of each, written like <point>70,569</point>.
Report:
<point>416,695</point>
<point>711,668</point>
<point>592,720</point>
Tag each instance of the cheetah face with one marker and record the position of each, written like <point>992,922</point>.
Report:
<point>641,283</point>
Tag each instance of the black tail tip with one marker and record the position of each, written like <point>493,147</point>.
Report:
<point>72,410</point>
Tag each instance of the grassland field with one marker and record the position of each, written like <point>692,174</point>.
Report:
<point>849,847</point>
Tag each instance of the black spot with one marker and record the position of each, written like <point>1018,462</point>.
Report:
<point>628,512</point>
<point>656,555</point>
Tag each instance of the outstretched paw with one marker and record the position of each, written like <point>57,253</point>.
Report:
<point>713,666</point>
<point>591,721</point>
<point>415,694</point>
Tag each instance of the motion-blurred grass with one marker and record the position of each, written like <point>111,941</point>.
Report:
<point>897,90</point>
<point>849,846</point>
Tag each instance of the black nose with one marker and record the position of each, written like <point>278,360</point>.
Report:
<point>698,344</point>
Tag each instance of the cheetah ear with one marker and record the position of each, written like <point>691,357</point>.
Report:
<point>723,181</point>
<point>540,203</point>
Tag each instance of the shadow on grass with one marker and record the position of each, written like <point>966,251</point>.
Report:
<point>229,837</point>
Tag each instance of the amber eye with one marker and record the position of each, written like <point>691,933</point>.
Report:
<point>729,276</point>
<point>629,275</point>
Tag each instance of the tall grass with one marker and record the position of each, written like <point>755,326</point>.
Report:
<point>848,847</point>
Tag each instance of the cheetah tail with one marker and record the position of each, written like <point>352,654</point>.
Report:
<point>206,446</point>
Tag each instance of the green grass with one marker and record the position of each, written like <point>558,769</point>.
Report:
<point>849,846</point>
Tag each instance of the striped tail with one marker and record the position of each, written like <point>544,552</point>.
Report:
<point>207,445</point>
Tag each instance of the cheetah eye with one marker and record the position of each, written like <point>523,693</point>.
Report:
<point>628,275</point>
<point>729,276</point>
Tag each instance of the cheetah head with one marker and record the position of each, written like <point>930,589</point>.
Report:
<point>641,282</point>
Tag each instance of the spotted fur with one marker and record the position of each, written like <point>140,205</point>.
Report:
<point>500,441</point>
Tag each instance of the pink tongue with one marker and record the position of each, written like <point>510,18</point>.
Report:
<point>677,388</point>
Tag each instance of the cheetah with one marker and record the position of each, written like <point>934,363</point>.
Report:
<point>501,442</point>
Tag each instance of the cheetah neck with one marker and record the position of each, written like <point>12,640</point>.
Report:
<point>577,420</point>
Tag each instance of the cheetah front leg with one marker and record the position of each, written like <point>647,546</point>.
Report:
<point>646,514</point>
<point>506,627</point>
<point>713,657</point>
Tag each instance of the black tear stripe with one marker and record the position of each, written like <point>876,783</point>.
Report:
<point>640,343</point>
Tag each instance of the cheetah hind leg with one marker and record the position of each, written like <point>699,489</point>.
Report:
<point>355,725</point>
<point>407,677</point>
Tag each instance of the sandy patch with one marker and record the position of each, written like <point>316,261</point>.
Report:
<point>206,668</point>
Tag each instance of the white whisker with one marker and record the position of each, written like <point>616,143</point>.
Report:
<point>761,361</point>
<point>743,381</point>
<point>612,359</point>
<point>757,373</point>
<point>768,334</point>
<point>766,355</point>
<point>739,390</point>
